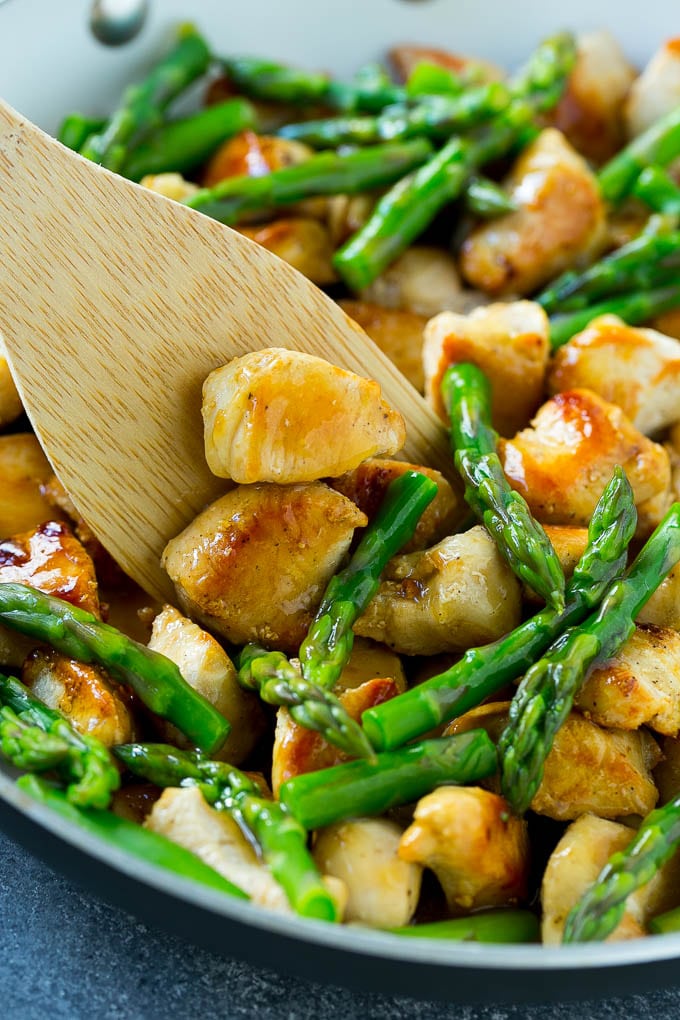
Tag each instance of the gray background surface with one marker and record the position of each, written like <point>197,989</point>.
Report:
<point>67,956</point>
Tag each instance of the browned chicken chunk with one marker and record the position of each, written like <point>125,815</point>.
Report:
<point>24,468</point>
<point>423,280</point>
<point>663,609</point>
<point>656,91</point>
<point>302,242</point>
<point>397,332</point>
<point>52,560</point>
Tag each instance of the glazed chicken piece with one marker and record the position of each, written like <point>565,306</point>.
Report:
<point>24,468</point>
<point>455,595</point>
<point>369,660</point>
<point>183,816</point>
<point>656,91</point>
<point>346,214</point>
<point>205,665</point>
<point>590,113</point>
<point>303,243</point>
<point>367,484</point>
<point>663,608</point>
<point>559,221</point>
<point>382,887</point>
<point>640,686</point>
<point>405,59</point>
<point>254,565</point>
<point>170,185</point>
<point>637,369</point>
<point>563,462</point>
<point>509,342</point>
<point>424,280</point>
<point>10,401</point>
<point>575,864</point>
<point>83,693</point>
<point>283,416</point>
<point>569,544</point>
<point>397,332</point>
<point>476,847</point>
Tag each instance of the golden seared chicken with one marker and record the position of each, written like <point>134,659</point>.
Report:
<point>558,222</point>
<point>254,565</point>
<point>366,486</point>
<point>590,113</point>
<point>639,686</point>
<point>563,462</point>
<point>406,57</point>
<point>183,816</point>
<point>302,242</point>
<point>368,660</point>
<point>637,369</point>
<point>663,608</point>
<point>397,332</point>
<point>205,665</point>
<point>509,342</point>
<point>82,692</point>
<point>423,280</point>
<point>576,862</point>
<point>656,91</point>
<point>283,416</point>
<point>252,155</point>
<point>569,544</point>
<point>170,185</point>
<point>345,214</point>
<point>382,887</point>
<point>10,401</point>
<point>24,469</point>
<point>457,594</point>
<point>476,847</point>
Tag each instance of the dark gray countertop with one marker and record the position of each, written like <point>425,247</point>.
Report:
<point>67,956</point>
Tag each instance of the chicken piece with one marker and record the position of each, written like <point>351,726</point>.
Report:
<point>23,469</point>
<point>509,342</point>
<point>405,59</point>
<point>303,243</point>
<point>607,772</point>
<point>10,401</point>
<point>423,280</point>
<point>382,888</point>
<point>283,416</point>
<point>639,686</point>
<point>397,332</point>
<point>205,665</point>
<point>170,185</point>
<point>183,816</point>
<point>366,486</point>
<point>369,660</point>
<point>569,544</point>
<point>82,692</point>
<point>248,154</point>
<point>637,369</point>
<point>575,864</point>
<point>51,559</point>
<point>476,847</point>
<point>667,772</point>
<point>559,221</point>
<point>448,598</point>
<point>298,750</point>
<point>590,112</point>
<point>663,608</point>
<point>656,91</point>
<point>346,214</point>
<point>254,565</point>
<point>563,462</point>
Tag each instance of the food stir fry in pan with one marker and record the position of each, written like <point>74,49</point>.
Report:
<point>438,706</point>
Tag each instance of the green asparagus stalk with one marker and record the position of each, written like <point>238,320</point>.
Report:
<point>428,79</point>
<point>657,146</point>
<point>633,308</point>
<point>278,682</point>
<point>657,189</point>
<point>520,538</point>
<point>666,923</point>
<point>143,105</point>
<point>154,678</point>
<point>31,734</point>
<point>150,847</point>
<point>544,76</point>
<point>486,926</point>
<point>360,788</point>
<point>183,144</point>
<point>76,128</point>
<point>486,199</point>
<point>280,839</point>
<point>602,906</point>
<point>326,173</point>
<point>546,693</point>
<point>483,671</point>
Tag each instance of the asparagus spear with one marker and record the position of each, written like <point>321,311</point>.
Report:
<point>666,923</point>
<point>545,695</point>
<point>153,677</point>
<point>76,128</point>
<point>602,906</point>
<point>142,106</point>
<point>658,145</point>
<point>486,199</point>
<point>505,925</point>
<point>428,79</point>
<point>520,538</point>
<point>326,173</point>
<point>279,837</point>
<point>658,190</point>
<point>278,682</point>
<point>31,733</point>
<point>544,76</point>
<point>483,671</point>
<point>149,847</point>
<point>632,308</point>
<point>183,144</point>
<point>360,788</point>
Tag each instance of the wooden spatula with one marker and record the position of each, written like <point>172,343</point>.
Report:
<point>115,303</point>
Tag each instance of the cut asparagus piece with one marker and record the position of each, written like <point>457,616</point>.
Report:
<point>658,145</point>
<point>632,308</point>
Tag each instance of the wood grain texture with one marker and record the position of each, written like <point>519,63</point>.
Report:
<point>115,303</point>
